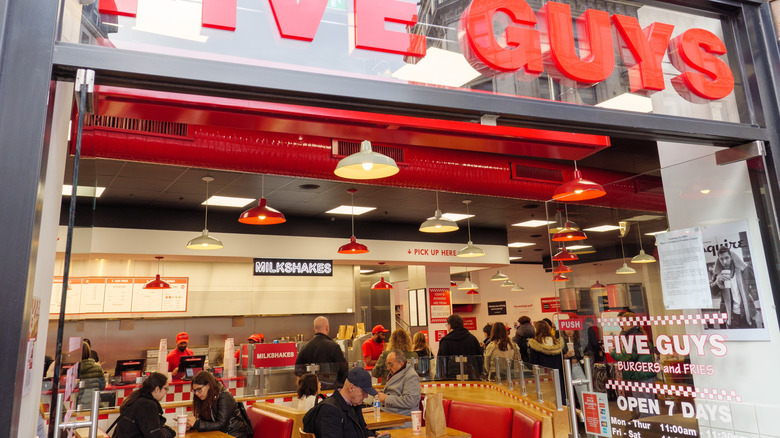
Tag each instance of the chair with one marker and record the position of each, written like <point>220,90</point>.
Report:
<point>305,434</point>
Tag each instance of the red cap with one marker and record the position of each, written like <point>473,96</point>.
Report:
<point>379,328</point>
<point>257,337</point>
<point>183,336</point>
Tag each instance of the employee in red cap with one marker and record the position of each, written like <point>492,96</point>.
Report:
<point>182,339</point>
<point>257,338</point>
<point>374,347</point>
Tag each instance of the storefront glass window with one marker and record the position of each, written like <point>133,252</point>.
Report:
<point>546,52</point>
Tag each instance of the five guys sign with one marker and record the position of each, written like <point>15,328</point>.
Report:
<point>531,44</point>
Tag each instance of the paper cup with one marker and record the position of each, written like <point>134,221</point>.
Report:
<point>416,422</point>
<point>181,423</point>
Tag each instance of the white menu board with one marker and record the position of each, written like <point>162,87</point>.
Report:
<point>92,293</point>
<point>119,295</point>
<point>175,298</point>
<point>146,300</point>
<point>73,303</point>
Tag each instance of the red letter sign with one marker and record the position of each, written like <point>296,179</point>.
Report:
<point>595,42</point>
<point>705,77</point>
<point>642,52</point>
<point>298,21</point>
<point>118,7</point>
<point>370,33</point>
<point>478,41</point>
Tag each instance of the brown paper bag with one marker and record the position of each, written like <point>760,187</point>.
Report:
<point>435,423</point>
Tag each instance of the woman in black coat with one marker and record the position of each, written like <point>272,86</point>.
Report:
<point>141,414</point>
<point>215,408</point>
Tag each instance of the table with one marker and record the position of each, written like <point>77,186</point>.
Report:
<point>84,433</point>
<point>212,434</point>
<point>386,419</point>
<point>407,433</point>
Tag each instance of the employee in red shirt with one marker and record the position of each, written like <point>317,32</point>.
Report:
<point>182,339</point>
<point>374,347</point>
<point>257,338</point>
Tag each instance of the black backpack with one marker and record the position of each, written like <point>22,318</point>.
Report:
<point>309,419</point>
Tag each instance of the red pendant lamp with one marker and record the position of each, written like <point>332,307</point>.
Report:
<point>157,283</point>
<point>561,269</point>
<point>560,277</point>
<point>472,292</point>
<point>382,284</point>
<point>597,286</point>
<point>569,233</point>
<point>353,247</point>
<point>578,189</point>
<point>262,214</point>
<point>564,256</point>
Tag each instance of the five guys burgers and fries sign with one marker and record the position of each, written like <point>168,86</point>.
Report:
<point>533,42</point>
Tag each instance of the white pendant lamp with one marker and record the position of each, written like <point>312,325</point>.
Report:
<point>642,257</point>
<point>499,277</point>
<point>204,241</point>
<point>517,288</point>
<point>438,223</point>
<point>366,164</point>
<point>508,283</point>
<point>469,250</point>
<point>625,269</point>
<point>468,284</point>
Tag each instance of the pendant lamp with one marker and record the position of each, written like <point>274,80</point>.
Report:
<point>564,256</point>
<point>157,283</point>
<point>438,223</point>
<point>499,277</point>
<point>453,284</point>
<point>366,164</point>
<point>560,277</point>
<point>204,241</point>
<point>472,292</point>
<point>353,247</point>
<point>625,269</point>
<point>569,233</point>
<point>468,284</point>
<point>469,250</point>
<point>578,189</point>
<point>508,283</point>
<point>517,288</point>
<point>597,286</point>
<point>642,257</point>
<point>561,269</point>
<point>262,214</point>
<point>382,284</point>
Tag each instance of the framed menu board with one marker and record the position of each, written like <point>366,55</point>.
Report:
<point>108,295</point>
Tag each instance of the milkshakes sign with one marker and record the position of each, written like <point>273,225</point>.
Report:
<point>532,43</point>
<point>292,267</point>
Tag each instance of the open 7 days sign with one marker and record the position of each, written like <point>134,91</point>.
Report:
<point>532,42</point>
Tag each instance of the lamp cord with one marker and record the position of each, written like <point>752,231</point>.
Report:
<point>206,222</point>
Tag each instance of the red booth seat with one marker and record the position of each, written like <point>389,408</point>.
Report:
<point>481,421</point>
<point>525,426</point>
<point>269,425</point>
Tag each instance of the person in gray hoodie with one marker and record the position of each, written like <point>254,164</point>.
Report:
<point>402,391</point>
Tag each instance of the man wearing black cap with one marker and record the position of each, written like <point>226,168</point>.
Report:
<point>341,415</point>
<point>374,347</point>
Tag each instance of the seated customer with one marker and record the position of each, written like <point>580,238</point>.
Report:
<point>141,414</point>
<point>215,408</point>
<point>341,415</point>
<point>402,392</point>
<point>308,392</point>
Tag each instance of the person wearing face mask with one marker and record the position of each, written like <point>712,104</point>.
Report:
<point>182,339</point>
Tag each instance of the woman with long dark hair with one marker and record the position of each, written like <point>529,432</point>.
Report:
<point>545,350</point>
<point>500,346</point>
<point>308,391</point>
<point>214,408</point>
<point>141,414</point>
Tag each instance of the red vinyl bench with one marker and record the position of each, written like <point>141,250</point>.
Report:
<point>481,421</point>
<point>266,424</point>
<point>525,426</point>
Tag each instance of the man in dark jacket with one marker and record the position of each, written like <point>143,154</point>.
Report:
<point>322,350</point>
<point>524,331</point>
<point>341,415</point>
<point>459,342</point>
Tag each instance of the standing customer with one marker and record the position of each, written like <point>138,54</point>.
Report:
<point>500,347</point>
<point>399,340</point>
<point>215,408</point>
<point>573,350</point>
<point>141,415</point>
<point>426,366</point>
<point>459,342</point>
<point>321,349</point>
<point>91,374</point>
<point>545,350</point>
<point>524,331</point>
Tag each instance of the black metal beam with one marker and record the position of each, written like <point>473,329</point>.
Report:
<point>26,32</point>
<point>195,76</point>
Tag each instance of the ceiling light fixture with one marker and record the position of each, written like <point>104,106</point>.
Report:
<point>438,223</point>
<point>569,233</point>
<point>499,277</point>
<point>560,277</point>
<point>564,256</point>
<point>508,283</point>
<point>157,283</point>
<point>469,250</point>
<point>382,284</point>
<point>468,284</point>
<point>578,189</point>
<point>204,241</point>
<point>642,257</point>
<point>597,286</point>
<point>562,269</point>
<point>625,269</point>
<point>353,247</point>
<point>262,214</point>
<point>517,288</point>
<point>366,164</point>
<point>472,292</point>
